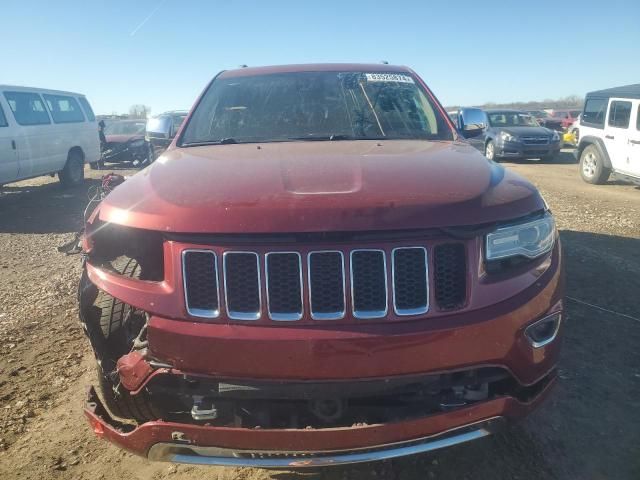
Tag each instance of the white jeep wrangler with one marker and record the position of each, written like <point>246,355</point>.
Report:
<point>610,135</point>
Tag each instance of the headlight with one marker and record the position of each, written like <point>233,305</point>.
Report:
<point>507,137</point>
<point>555,137</point>
<point>137,143</point>
<point>530,239</point>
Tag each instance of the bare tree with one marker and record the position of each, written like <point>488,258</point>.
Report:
<point>139,111</point>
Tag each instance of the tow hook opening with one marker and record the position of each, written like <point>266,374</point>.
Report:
<point>544,331</point>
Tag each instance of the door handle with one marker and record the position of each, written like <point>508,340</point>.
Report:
<point>13,144</point>
<point>635,142</point>
<point>609,137</point>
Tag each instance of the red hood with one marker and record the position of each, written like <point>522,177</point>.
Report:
<point>319,186</point>
<point>122,138</point>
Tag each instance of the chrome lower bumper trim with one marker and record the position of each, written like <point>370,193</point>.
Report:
<point>191,454</point>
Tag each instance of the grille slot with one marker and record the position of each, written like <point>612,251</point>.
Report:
<point>535,140</point>
<point>369,283</point>
<point>242,285</point>
<point>450,276</point>
<point>283,271</point>
<point>410,280</point>
<point>326,285</point>
<point>200,276</point>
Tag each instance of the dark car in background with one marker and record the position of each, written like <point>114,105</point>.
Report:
<point>511,134</point>
<point>545,119</point>
<point>161,129</point>
<point>124,141</point>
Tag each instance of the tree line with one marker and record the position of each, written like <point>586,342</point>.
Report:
<point>571,101</point>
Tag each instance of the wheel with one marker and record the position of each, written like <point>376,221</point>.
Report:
<point>490,150</point>
<point>73,172</point>
<point>119,327</point>
<point>592,168</point>
<point>151,156</point>
<point>119,403</point>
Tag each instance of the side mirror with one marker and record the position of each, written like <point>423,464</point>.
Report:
<point>159,127</point>
<point>472,122</point>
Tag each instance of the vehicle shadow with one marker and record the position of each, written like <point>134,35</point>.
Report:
<point>44,208</point>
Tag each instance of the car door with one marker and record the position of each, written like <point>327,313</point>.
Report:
<point>616,132</point>
<point>633,144</point>
<point>8,152</point>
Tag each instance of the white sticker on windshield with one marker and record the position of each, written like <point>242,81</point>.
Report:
<point>388,77</point>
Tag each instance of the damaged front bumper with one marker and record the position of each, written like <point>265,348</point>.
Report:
<point>308,447</point>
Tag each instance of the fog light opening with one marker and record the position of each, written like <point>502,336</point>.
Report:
<point>544,331</point>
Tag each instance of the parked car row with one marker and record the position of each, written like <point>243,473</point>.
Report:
<point>138,142</point>
<point>49,132</point>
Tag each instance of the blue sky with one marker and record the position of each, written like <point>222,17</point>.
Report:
<point>163,53</point>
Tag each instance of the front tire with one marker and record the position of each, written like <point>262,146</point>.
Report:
<point>490,150</point>
<point>592,168</point>
<point>72,174</point>
<point>117,325</point>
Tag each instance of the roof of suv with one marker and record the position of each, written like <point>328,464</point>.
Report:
<point>39,90</point>
<point>316,67</point>
<point>627,91</point>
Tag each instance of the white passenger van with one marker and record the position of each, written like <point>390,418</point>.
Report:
<point>46,132</point>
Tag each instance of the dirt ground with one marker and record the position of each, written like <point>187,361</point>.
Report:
<point>588,429</point>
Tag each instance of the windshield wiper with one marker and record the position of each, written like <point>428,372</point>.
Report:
<point>223,141</point>
<point>321,138</point>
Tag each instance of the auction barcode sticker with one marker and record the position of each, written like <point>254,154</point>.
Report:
<point>388,77</point>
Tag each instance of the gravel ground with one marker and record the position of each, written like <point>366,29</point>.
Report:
<point>588,429</point>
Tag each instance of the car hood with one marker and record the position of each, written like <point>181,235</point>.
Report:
<point>122,138</point>
<point>525,131</point>
<point>318,187</point>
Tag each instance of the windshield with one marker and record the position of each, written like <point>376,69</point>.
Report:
<point>511,119</point>
<point>315,106</point>
<point>125,128</point>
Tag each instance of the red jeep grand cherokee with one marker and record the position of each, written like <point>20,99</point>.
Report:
<point>318,271</point>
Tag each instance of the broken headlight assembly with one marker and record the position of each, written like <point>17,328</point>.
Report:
<point>529,239</point>
<point>111,245</point>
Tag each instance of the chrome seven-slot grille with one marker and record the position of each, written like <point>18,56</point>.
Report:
<point>240,277</point>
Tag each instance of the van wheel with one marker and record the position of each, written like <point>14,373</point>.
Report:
<point>73,172</point>
<point>592,167</point>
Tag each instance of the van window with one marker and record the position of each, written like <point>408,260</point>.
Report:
<point>3,119</point>
<point>594,110</point>
<point>638,119</point>
<point>28,108</point>
<point>619,114</point>
<point>64,109</point>
<point>87,109</point>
